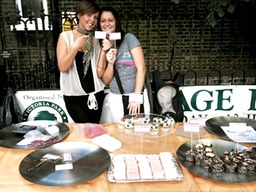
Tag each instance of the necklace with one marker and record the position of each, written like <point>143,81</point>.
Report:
<point>82,31</point>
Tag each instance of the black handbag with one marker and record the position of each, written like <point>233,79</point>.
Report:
<point>10,112</point>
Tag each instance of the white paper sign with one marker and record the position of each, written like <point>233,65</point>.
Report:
<point>142,128</point>
<point>51,156</point>
<point>66,166</point>
<point>191,127</point>
<point>248,136</point>
<point>67,157</point>
<point>115,36</point>
<point>237,127</point>
<point>100,35</point>
<point>200,121</point>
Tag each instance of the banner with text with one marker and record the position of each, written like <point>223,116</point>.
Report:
<point>219,100</point>
<point>43,105</point>
<point>199,102</point>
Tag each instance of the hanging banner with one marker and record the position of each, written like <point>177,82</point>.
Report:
<point>219,100</point>
<point>199,102</point>
<point>43,105</point>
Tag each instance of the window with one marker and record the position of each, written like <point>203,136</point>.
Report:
<point>69,22</point>
<point>35,6</point>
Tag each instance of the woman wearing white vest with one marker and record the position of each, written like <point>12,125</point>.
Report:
<point>77,54</point>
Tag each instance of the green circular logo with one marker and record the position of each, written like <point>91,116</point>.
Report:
<point>45,110</point>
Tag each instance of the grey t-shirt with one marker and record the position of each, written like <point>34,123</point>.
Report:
<point>125,65</point>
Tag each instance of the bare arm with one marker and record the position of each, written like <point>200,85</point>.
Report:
<point>66,57</point>
<point>102,63</point>
<point>136,99</point>
<point>109,72</point>
<point>138,57</point>
<point>101,67</point>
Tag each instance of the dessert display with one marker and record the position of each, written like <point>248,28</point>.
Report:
<point>144,167</point>
<point>230,161</point>
<point>152,124</point>
<point>219,160</point>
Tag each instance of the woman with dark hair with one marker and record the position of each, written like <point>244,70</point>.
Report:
<point>77,55</point>
<point>124,57</point>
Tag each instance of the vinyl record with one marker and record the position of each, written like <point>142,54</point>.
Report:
<point>213,125</point>
<point>9,139</point>
<point>64,164</point>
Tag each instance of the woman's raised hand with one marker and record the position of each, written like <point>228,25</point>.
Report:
<point>111,56</point>
<point>106,45</point>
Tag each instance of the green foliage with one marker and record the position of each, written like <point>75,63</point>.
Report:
<point>176,1</point>
<point>215,9</point>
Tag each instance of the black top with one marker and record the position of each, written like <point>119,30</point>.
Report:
<point>87,81</point>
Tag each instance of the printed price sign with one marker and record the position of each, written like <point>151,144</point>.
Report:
<point>100,35</point>
<point>237,127</point>
<point>240,133</point>
<point>191,127</point>
<point>142,128</point>
<point>66,166</point>
<point>51,156</point>
<point>200,121</point>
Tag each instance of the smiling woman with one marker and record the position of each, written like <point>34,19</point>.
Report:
<point>77,56</point>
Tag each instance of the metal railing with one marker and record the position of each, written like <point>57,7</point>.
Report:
<point>32,64</point>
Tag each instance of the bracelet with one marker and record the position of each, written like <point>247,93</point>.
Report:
<point>134,97</point>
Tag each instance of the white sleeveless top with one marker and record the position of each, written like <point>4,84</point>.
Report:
<point>69,81</point>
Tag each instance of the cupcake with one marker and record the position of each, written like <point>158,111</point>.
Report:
<point>154,129</point>
<point>135,120</point>
<point>190,155</point>
<point>207,144</point>
<point>165,126</point>
<point>146,120</point>
<point>121,124</point>
<point>129,127</point>
<point>171,121</point>
<point>157,120</point>
<point>230,167</point>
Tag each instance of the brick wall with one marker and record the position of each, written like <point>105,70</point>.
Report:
<point>174,31</point>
